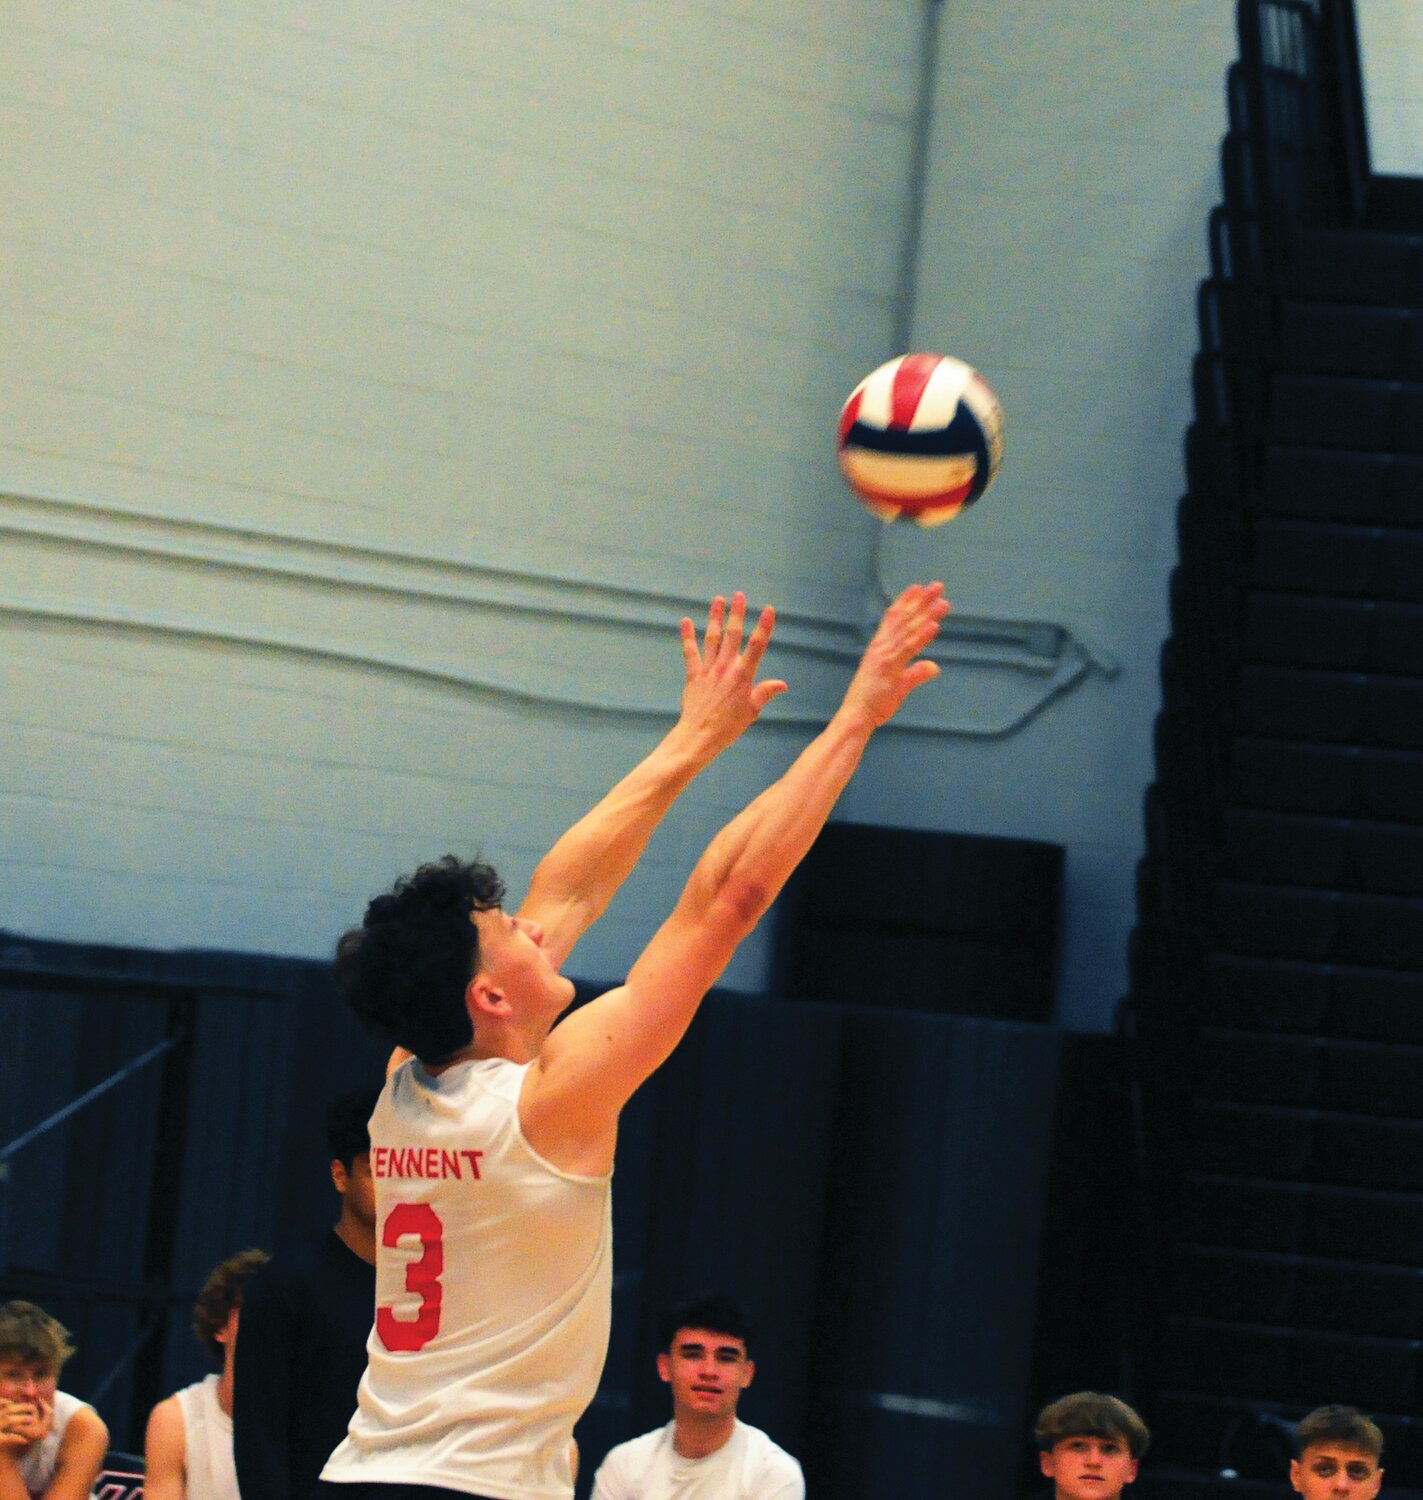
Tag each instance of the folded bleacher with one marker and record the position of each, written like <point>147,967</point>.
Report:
<point>1277,973</point>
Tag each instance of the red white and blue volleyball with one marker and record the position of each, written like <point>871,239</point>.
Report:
<point>921,437</point>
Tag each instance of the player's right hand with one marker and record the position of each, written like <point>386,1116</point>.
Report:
<point>888,671</point>
<point>23,1423</point>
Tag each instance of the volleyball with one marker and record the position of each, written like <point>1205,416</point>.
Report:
<point>920,437</point>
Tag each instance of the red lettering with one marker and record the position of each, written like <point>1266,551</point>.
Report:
<point>422,1277</point>
<point>425,1161</point>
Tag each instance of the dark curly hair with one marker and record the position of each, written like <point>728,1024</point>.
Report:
<point>405,969</point>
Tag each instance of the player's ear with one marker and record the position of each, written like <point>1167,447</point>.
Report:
<point>484,997</point>
<point>748,1372</point>
<point>664,1368</point>
<point>1047,1462</point>
<point>1295,1472</point>
<point>340,1178</point>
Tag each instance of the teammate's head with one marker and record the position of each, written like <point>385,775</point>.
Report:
<point>215,1311</point>
<point>712,1310</point>
<point>1089,1445</point>
<point>705,1357</point>
<point>32,1344</point>
<point>348,1135</point>
<point>1339,1450</point>
<point>405,969</point>
<point>348,1125</point>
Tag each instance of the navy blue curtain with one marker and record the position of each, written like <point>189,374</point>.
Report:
<point>869,1181</point>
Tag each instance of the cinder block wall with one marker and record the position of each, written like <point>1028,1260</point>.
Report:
<point>1074,160</point>
<point>385,382</point>
<point>372,367</point>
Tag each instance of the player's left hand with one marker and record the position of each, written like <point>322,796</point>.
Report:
<point>721,697</point>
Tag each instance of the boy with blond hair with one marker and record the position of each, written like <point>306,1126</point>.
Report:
<point>52,1445</point>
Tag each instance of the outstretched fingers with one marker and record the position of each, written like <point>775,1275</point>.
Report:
<point>735,626</point>
<point>716,620</point>
<point>913,620</point>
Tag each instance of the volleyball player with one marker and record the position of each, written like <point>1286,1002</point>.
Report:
<point>492,1149</point>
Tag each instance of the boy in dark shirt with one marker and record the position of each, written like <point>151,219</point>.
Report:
<point>305,1320</point>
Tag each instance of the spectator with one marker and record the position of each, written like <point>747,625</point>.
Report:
<point>52,1445</point>
<point>188,1446</point>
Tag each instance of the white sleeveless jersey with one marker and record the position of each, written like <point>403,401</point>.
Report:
<point>208,1469</point>
<point>39,1461</point>
<point>493,1294</point>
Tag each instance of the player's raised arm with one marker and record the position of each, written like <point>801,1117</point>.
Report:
<point>720,699</point>
<point>589,1066</point>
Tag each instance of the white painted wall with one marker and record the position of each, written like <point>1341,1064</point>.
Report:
<point>1074,163</point>
<point>1391,55</point>
<point>346,345</point>
<point>373,365</point>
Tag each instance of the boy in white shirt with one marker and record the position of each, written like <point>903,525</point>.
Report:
<point>705,1450</point>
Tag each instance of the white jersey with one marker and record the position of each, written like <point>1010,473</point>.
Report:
<point>39,1461</point>
<point>493,1294</point>
<point>209,1472</point>
<point>748,1466</point>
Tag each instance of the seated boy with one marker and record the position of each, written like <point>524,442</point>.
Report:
<point>1339,1451</point>
<point>1089,1445</point>
<point>52,1445</point>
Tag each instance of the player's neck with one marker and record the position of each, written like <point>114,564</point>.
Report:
<point>493,1039</point>
<point>358,1238</point>
<point>699,1437</point>
<point>224,1381</point>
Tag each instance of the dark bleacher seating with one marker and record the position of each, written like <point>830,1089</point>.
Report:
<point>1277,997</point>
<point>1332,338</point>
<point>1348,780</point>
<point>1327,557</point>
<point>1353,265</point>
<point>1304,481</point>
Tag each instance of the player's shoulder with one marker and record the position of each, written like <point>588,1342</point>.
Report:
<point>636,1453</point>
<point>766,1454</point>
<point>83,1422</point>
<point>165,1421</point>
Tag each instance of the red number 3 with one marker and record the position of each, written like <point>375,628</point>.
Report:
<point>422,1277</point>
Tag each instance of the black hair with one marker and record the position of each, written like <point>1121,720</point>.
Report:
<point>405,969</point>
<point>714,1311</point>
<point>348,1125</point>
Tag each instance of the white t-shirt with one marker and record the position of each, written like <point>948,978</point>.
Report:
<point>493,1294</point>
<point>39,1461</point>
<point>208,1468</point>
<point>748,1466</point>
